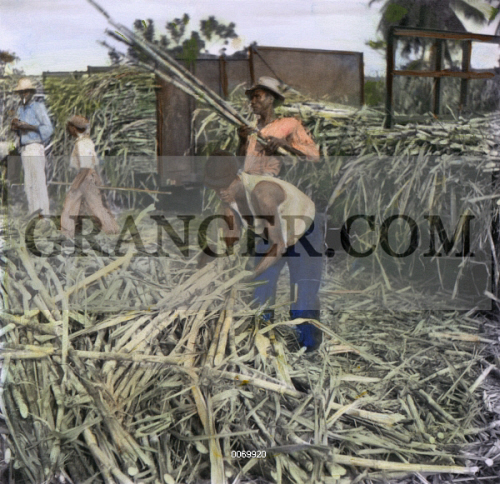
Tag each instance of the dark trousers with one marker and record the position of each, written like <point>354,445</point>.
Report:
<point>305,263</point>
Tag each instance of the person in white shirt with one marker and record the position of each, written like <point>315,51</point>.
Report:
<point>84,195</point>
<point>34,128</point>
<point>83,155</point>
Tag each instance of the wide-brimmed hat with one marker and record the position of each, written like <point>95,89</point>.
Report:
<point>220,170</point>
<point>270,84</point>
<point>79,121</point>
<point>25,84</point>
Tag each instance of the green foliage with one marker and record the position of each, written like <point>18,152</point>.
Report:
<point>177,28</point>
<point>181,42</point>
<point>374,92</point>
<point>377,44</point>
<point>431,14</point>
<point>212,28</point>
<point>191,48</point>
<point>395,13</point>
<point>7,57</point>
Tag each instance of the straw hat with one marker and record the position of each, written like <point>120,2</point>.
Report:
<point>25,84</point>
<point>270,84</point>
<point>220,171</point>
<point>79,121</point>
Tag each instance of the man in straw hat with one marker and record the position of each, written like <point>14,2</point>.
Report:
<point>283,132</point>
<point>283,218</point>
<point>34,128</point>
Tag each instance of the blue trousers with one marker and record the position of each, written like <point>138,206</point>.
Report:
<point>305,263</point>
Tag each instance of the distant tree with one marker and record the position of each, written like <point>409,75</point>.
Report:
<point>6,57</point>
<point>429,14</point>
<point>178,41</point>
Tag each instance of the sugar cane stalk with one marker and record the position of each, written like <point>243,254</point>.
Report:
<point>172,66</point>
<point>398,466</point>
<point>221,350</point>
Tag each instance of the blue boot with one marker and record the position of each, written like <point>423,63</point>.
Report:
<point>308,335</point>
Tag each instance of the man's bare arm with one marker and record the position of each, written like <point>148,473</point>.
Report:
<point>243,132</point>
<point>231,227</point>
<point>266,198</point>
<point>299,143</point>
<point>232,230</point>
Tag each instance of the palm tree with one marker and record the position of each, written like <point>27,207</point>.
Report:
<point>431,14</point>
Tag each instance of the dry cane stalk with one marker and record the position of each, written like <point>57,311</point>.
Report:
<point>415,415</point>
<point>7,329</point>
<point>213,345</point>
<point>481,378</point>
<point>221,350</point>
<point>437,407</point>
<point>181,289</point>
<point>249,380</point>
<point>105,324</point>
<point>134,357</point>
<point>380,418</point>
<point>150,331</point>
<point>5,413</point>
<point>341,411</point>
<point>281,364</point>
<point>23,255</point>
<point>462,337</point>
<point>206,416</point>
<point>97,275</point>
<point>138,344</point>
<point>198,322</point>
<point>131,329</point>
<point>26,321</point>
<point>105,461</point>
<point>130,450</point>
<point>396,466</point>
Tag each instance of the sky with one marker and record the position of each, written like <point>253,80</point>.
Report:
<point>62,35</point>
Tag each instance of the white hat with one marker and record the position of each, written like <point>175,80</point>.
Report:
<point>25,84</point>
<point>270,84</point>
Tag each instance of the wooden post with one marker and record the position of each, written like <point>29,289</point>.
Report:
<point>362,79</point>
<point>466,56</point>
<point>159,126</point>
<point>223,82</point>
<point>389,77</point>
<point>437,80</point>
<point>251,65</point>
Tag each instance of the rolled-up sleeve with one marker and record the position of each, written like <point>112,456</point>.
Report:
<point>302,141</point>
<point>45,128</point>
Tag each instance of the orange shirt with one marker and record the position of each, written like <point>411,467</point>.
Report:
<point>288,129</point>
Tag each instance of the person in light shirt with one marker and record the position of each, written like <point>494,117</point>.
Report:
<point>285,132</point>
<point>84,195</point>
<point>34,129</point>
<point>83,154</point>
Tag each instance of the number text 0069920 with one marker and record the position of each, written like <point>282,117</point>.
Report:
<point>248,454</point>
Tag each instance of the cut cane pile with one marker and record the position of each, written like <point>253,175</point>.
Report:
<point>137,369</point>
<point>172,387</point>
